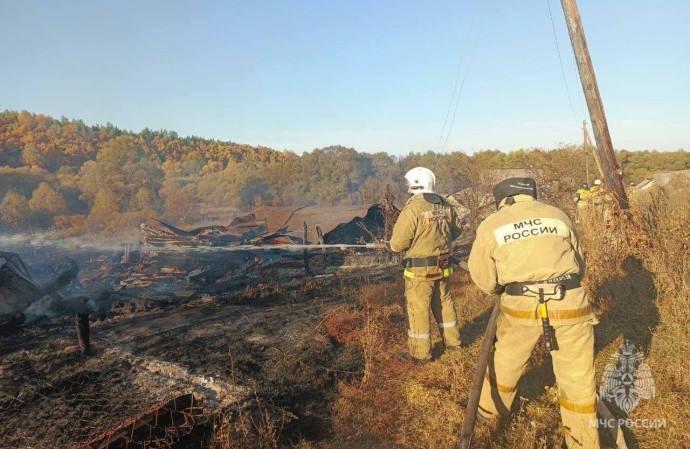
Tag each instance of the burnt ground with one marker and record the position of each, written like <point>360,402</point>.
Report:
<point>259,351</point>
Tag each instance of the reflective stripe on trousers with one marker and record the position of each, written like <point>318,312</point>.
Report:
<point>420,297</point>
<point>578,408</point>
<point>573,366</point>
<point>417,335</point>
<point>446,272</point>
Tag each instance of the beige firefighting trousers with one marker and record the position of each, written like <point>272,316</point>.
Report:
<point>421,295</point>
<point>573,366</point>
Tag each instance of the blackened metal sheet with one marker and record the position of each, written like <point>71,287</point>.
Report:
<point>290,220</point>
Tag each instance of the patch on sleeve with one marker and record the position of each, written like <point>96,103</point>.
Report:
<point>532,228</point>
<point>437,215</point>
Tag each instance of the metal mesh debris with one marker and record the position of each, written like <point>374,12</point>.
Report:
<point>122,404</point>
<point>159,378</point>
<point>160,426</point>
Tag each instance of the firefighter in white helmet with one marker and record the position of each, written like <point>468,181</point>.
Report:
<point>425,229</point>
<point>596,192</point>
<point>530,252</point>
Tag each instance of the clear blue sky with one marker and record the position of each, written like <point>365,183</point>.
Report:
<point>374,75</point>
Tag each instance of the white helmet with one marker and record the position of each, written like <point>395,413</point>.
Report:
<point>597,182</point>
<point>420,180</point>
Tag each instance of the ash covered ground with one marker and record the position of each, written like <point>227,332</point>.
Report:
<point>251,346</point>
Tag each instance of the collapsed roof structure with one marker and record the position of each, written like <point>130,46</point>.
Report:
<point>159,378</point>
<point>664,180</point>
<point>347,224</point>
<point>324,224</point>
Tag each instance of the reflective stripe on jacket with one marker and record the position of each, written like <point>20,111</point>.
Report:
<point>529,241</point>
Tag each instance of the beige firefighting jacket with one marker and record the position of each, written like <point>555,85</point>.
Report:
<point>529,241</point>
<point>426,227</point>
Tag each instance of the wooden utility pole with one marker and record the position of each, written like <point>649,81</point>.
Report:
<point>587,145</point>
<point>607,158</point>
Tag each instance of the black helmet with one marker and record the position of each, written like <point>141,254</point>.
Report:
<point>515,186</point>
<point>585,186</point>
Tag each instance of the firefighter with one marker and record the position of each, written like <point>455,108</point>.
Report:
<point>425,229</point>
<point>596,192</point>
<point>596,188</point>
<point>582,196</point>
<point>523,245</point>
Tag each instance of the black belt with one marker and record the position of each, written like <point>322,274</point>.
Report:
<point>568,281</point>
<point>420,262</point>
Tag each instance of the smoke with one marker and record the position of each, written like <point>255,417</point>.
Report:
<point>10,303</point>
<point>63,243</point>
<point>46,307</point>
<point>19,293</point>
<point>39,305</point>
<point>53,306</point>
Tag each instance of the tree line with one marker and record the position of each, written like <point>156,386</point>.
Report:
<point>69,176</point>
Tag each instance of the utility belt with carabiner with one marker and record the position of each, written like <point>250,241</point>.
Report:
<point>551,289</point>
<point>568,281</point>
<point>442,262</point>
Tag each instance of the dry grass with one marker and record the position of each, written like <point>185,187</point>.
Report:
<point>344,324</point>
<point>401,405</point>
<point>660,307</point>
<point>639,280</point>
<point>256,426</point>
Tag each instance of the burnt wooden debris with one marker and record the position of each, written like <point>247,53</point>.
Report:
<point>18,292</point>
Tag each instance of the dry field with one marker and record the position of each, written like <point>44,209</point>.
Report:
<point>313,365</point>
<point>639,280</point>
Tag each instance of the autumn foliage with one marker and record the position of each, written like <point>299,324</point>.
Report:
<point>69,176</point>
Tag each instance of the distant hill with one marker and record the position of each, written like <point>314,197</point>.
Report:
<point>63,174</point>
<point>38,140</point>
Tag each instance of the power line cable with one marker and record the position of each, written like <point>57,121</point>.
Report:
<point>457,102</point>
<point>565,82</point>
<point>463,53</point>
<point>455,97</point>
<point>560,60</point>
<point>450,104</point>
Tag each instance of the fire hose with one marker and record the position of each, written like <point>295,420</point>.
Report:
<point>478,380</point>
<point>485,352</point>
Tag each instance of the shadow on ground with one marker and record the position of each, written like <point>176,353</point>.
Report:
<point>626,307</point>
